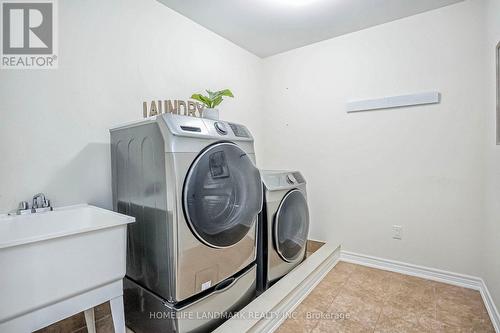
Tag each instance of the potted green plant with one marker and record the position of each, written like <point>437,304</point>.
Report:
<point>211,101</point>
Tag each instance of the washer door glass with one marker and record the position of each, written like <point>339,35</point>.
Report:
<point>222,195</point>
<point>291,226</point>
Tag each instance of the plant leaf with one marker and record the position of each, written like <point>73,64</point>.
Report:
<point>217,101</point>
<point>221,93</point>
<point>214,98</point>
<point>205,100</point>
<point>211,94</point>
<point>225,92</point>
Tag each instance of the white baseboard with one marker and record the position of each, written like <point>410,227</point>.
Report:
<point>491,307</point>
<point>460,280</point>
<point>456,279</point>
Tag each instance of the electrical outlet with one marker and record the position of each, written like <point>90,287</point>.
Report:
<point>397,232</point>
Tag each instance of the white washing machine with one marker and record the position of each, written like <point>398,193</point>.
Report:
<point>284,225</point>
<point>193,187</point>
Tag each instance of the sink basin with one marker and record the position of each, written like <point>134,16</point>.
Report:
<point>55,257</point>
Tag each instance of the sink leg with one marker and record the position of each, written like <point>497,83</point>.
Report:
<point>90,320</point>
<point>117,312</point>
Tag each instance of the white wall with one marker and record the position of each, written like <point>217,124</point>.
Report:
<point>420,167</point>
<point>425,168</point>
<point>113,55</point>
<point>491,250</point>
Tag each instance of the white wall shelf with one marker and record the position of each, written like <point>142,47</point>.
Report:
<point>394,102</point>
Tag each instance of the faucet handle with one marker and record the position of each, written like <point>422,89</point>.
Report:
<point>40,203</point>
<point>23,205</point>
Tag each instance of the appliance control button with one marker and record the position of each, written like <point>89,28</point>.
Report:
<point>290,179</point>
<point>220,128</point>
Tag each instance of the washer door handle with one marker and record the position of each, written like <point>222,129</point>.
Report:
<point>225,284</point>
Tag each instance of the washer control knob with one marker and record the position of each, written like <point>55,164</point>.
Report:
<point>220,128</point>
<point>290,179</point>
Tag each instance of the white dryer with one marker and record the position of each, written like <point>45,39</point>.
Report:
<point>284,225</point>
<point>193,187</point>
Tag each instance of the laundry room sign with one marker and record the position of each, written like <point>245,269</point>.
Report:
<point>187,108</point>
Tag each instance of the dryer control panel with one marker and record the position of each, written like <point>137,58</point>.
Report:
<point>281,179</point>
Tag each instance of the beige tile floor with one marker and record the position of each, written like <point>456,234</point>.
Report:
<point>353,298</point>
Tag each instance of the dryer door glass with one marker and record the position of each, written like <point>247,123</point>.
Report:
<point>291,226</point>
<point>222,195</point>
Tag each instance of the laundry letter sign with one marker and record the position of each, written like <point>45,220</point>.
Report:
<point>187,108</point>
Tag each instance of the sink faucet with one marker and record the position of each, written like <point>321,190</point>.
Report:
<point>44,205</point>
<point>40,204</point>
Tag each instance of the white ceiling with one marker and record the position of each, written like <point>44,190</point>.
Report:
<point>268,27</point>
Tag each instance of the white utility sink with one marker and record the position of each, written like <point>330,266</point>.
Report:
<point>56,264</point>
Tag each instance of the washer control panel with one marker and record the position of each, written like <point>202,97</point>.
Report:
<point>239,130</point>
<point>180,125</point>
<point>220,128</point>
<point>290,179</point>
